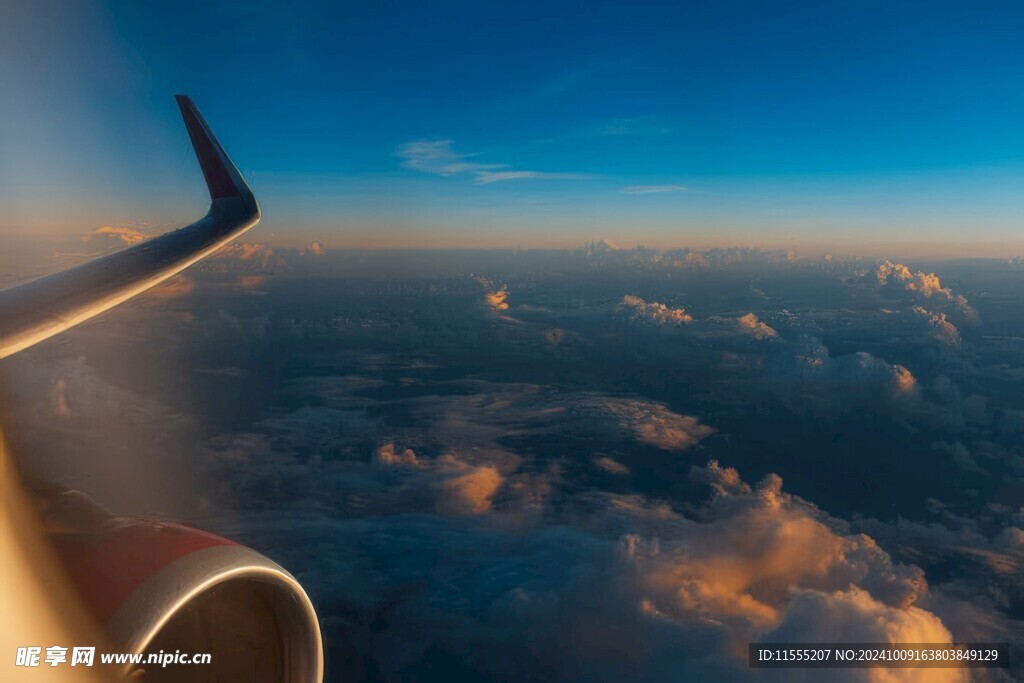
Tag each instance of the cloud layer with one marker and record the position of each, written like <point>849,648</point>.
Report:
<point>653,313</point>
<point>652,189</point>
<point>454,486</point>
<point>438,157</point>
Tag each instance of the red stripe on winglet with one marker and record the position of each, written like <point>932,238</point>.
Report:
<point>217,177</point>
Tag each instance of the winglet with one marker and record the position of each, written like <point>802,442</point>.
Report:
<point>41,308</point>
<point>222,177</point>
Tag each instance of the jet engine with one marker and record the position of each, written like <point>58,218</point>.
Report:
<point>170,592</point>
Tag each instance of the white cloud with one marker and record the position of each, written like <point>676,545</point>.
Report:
<point>488,177</point>
<point>939,328</point>
<point>653,313</point>
<point>927,284</point>
<point>652,189</point>
<point>921,285</point>
<point>853,615</point>
<point>438,157</point>
<point>749,324</point>
<point>808,369</point>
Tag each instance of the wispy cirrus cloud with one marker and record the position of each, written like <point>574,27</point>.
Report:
<point>488,177</point>
<point>652,189</point>
<point>439,157</point>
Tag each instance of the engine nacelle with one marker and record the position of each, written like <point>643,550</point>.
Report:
<point>164,588</point>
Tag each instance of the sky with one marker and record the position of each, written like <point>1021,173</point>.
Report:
<point>870,128</point>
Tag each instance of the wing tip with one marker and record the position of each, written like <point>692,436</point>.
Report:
<point>222,178</point>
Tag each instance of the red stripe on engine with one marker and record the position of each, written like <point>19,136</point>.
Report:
<point>108,567</point>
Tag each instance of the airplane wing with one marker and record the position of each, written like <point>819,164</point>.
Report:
<point>49,305</point>
<point>67,566</point>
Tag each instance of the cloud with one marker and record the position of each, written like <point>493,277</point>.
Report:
<point>724,481</point>
<point>758,564</point>
<point>601,247</point>
<point>175,288</point>
<point>961,456</point>
<point>611,466</point>
<point>654,594</point>
<point>251,281</point>
<point>496,299</point>
<point>896,273</point>
<point>652,189</point>
<point>695,259</point>
<point>691,259</point>
<point>898,277</point>
<point>749,324</point>
<point>431,524</point>
<point>460,488</point>
<point>979,560</point>
<point>488,177</point>
<point>317,248</point>
<point>471,490</point>
<point>448,529</point>
<point>743,332</point>
<point>813,361</point>
<point>245,329</point>
<point>654,424</point>
<point>438,157</point>
<point>511,410</point>
<point>808,369</point>
<point>653,313</point>
<point>245,251</point>
<point>387,455</point>
<point>245,256</point>
<point>122,233</point>
<point>473,416</point>
<point>939,329</point>
<point>854,615</point>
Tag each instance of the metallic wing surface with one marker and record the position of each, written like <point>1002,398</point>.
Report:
<point>49,305</point>
<point>74,573</point>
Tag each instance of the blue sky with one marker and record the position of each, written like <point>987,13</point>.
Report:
<point>818,126</point>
